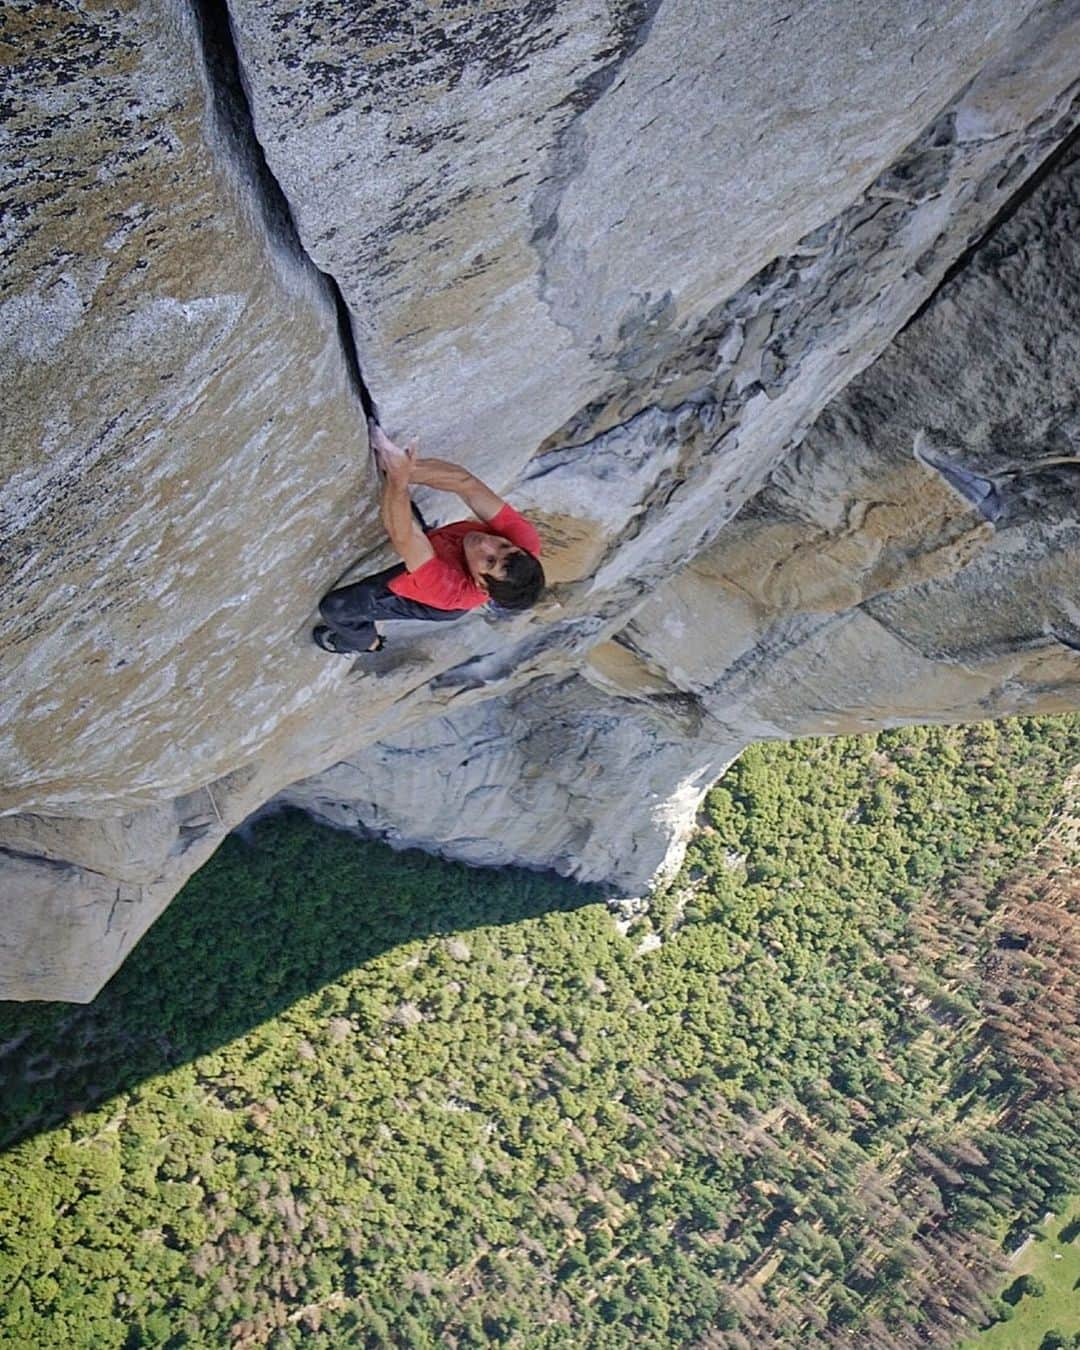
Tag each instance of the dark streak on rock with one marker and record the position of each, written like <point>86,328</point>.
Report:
<point>39,861</point>
<point>1028,186</point>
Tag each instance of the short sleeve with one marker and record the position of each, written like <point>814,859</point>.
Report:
<point>439,584</point>
<point>513,526</point>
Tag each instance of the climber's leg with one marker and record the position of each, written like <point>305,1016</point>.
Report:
<point>351,612</point>
<point>325,637</point>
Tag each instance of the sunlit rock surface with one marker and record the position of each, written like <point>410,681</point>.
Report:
<point>916,558</point>
<point>175,402</point>
<point>540,200</point>
<point>644,267</point>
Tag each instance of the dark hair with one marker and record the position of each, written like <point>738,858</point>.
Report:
<point>522,585</point>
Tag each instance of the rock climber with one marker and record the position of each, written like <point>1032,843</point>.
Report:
<point>443,572</point>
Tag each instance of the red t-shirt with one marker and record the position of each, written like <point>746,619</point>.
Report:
<point>443,582</point>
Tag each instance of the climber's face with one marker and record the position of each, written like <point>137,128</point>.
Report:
<point>486,555</point>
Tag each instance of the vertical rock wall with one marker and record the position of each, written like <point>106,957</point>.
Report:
<point>916,558</point>
<point>524,205</point>
<point>175,401</point>
<point>618,257</point>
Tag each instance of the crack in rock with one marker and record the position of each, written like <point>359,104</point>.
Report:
<point>235,136</point>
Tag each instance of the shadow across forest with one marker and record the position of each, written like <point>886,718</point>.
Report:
<point>267,921</point>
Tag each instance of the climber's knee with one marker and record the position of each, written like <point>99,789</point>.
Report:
<point>334,609</point>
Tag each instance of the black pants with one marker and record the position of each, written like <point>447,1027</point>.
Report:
<point>351,611</point>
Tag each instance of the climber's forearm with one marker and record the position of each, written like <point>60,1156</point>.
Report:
<point>408,540</point>
<point>442,475</point>
<point>446,477</point>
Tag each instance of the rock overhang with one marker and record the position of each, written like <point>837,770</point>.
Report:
<point>248,484</point>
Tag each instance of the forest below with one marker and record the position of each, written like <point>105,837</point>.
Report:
<point>812,1093</point>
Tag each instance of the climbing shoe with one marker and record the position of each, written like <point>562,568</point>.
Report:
<point>326,638</point>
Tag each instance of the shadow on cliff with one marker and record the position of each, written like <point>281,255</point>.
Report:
<point>263,924</point>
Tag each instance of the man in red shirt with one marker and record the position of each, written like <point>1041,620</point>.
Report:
<point>444,572</point>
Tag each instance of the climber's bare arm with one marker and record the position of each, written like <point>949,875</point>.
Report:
<point>409,541</point>
<point>446,477</point>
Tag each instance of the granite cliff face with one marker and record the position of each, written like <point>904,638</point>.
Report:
<point>695,284</point>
